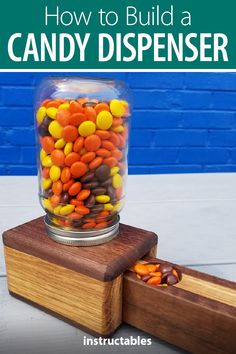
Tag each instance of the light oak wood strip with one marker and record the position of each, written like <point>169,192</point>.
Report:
<point>89,302</point>
<point>208,289</point>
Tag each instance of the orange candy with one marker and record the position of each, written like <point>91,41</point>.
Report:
<point>117,154</point>
<point>71,158</point>
<point>78,144</point>
<point>151,268</point>
<point>103,152</point>
<point>76,202</point>
<point>75,216</point>
<point>58,157</point>
<point>83,194</point>
<point>90,114</point>
<point>65,174</point>
<point>117,121</point>
<point>63,116</point>
<point>95,163</point>
<point>102,107</point>
<point>110,161</point>
<point>74,188</point>
<point>141,269</point>
<point>92,142</point>
<point>55,200</point>
<point>89,225</point>
<point>69,133</point>
<point>48,144</point>
<point>78,169</point>
<point>45,172</point>
<point>57,187</point>
<point>114,138</point>
<point>103,134</point>
<point>108,145</point>
<point>154,281</point>
<point>101,225</point>
<point>88,157</point>
<point>76,119</point>
<point>67,185</point>
<point>76,107</point>
<point>81,209</point>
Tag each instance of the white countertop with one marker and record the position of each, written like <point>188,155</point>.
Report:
<point>194,216</point>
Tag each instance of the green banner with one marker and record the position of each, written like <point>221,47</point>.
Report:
<point>124,34</point>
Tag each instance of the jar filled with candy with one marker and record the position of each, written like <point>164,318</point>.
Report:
<point>82,138</point>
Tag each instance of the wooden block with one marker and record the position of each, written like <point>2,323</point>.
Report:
<point>198,314</point>
<point>82,285</point>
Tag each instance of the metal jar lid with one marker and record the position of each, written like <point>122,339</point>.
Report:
<point>81,238</point>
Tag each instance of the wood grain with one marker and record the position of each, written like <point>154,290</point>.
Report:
<point>88,302</point>
<point>198,315</point>
<point>104,262</point>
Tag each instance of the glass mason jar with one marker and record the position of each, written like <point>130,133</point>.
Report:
<point>82,141</point>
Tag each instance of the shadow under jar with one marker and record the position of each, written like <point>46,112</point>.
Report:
<point>82,140</point>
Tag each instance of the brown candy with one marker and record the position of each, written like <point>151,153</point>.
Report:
<point>102,173</point>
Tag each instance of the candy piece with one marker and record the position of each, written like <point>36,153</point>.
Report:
<point>55,129</point>
<point>78,144</point>
<point>68,148</point>
<point>117,207</point>
<point>114,171</point>
<point>87,128</point>
<point>117,181</point>
<point>65,174</point>
<point>56,210</point>
<point>52,112</point>
<point>108,207</point>
<point>47,161</point>
<point>141,269</point>
<point>88,157</point>
<point>103,134</point>
<point>171,279</point>
<point>117,108</point>
<point>103,153</point>
<point>164,268</point>
<point>106,144</point>
<point>104,120</point>
<point>60,143</point>
<point>48,144</point>
<point>110,161</point>
<point>102,106</point>
<point>43,154</point>
<point>41,113</point>
<point>118,129</point>
<point>102,173</point>
<point>90,201</point>
<point>95,163</point>
<point>55,200</point>
<point>57,187</point>
<point>92,142</point>
<point>154,281</point>
<point>90,114</point>
<point>55,173</point>
<point>46,183</point>
<point>81,209</point>
<point>87,177</point>
<point>102,198</point>
<point>75,188</point>
<point>91,185</point>
<point>83,194</point>
<point>47,205</point>
<point>64,106</point>
<point>89,225</point>
<point>71,158</point>
<point>99,191</point>
<point>65,198</point>
<point>63,116</point>
<point>77,118</point>
<point>67,209</point>
<point>58,157</point>
<point>75,107</point>
<point>69,133</point>
<point>78,169</point>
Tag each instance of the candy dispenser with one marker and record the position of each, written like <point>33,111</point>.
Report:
<point>82,139</point>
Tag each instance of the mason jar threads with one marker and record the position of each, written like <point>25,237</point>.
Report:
<point>82,138</point>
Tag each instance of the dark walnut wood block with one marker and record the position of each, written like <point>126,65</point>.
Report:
<point>198,314</point>
<point>82,285</point>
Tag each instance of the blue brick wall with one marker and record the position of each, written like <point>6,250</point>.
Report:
<point>182,122</point>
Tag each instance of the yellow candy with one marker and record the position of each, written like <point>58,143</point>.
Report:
<point>117,181</point>
<point>117,108</point>
<point>54,220</point>
<point>68,148</point>
<point>64,106</point>
<point>108,207</point>
<point>55,173</point>
<point>104,120</point>
<point>55,129</point>
<point>47,161</point>
<point>60,143</point>
<point>47,205</point>
<point>114,171</point>
<point>52,112</point>
<point>67,209</point>
<point>46,183</point>
<point>56,210</point>
<point>118,129</point>
<point>41,113</point>
<point>43,154</point>
<point>102,198</point>
<point>117,207</point>
<point>87,128</point>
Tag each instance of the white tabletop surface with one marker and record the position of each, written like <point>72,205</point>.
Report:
<point>194,216</point>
